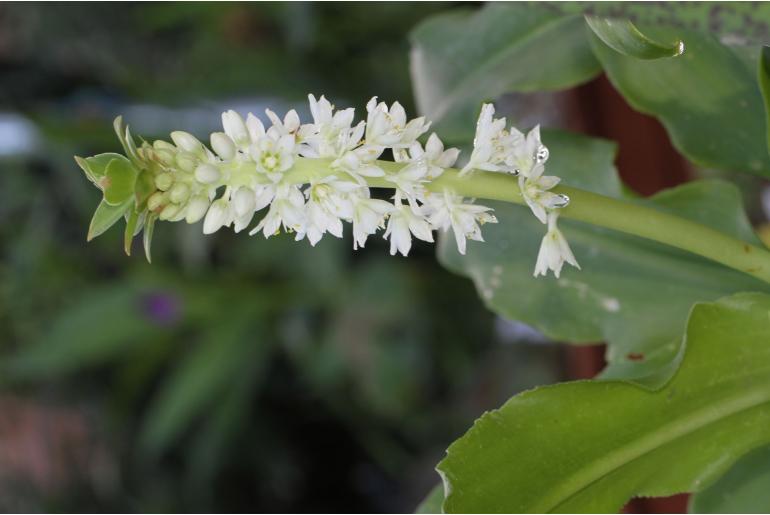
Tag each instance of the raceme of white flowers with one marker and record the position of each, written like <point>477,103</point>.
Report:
<point>249,168</point>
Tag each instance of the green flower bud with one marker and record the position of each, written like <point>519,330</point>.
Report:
<point>207,174</point>
<point>163,145</point>
<point>164,181</point>
<point>169,211</point>
<point>179,192</point>
<point>186,161</point>
<point>165,156</point>
<point>186,141</point>
<point>197,208</point>
<point>156,200</point>
<point>223,145</point>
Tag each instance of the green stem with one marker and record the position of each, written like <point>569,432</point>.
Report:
<point>595,209</point>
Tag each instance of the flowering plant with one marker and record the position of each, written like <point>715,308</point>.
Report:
<point>250,168</point>
<point>676,285</point>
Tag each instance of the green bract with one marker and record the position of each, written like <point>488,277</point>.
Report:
<point>126,184</point>
<point>119,181</point>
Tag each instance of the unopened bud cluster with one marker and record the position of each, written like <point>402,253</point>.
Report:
<point>249,167</point>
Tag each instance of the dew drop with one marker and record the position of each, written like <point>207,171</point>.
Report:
<point>542,154</point>
<point>563,201</point>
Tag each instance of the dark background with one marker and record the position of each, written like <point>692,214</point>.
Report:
<point>234,373</point>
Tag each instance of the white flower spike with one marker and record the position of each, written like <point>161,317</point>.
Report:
<point>315,177</point>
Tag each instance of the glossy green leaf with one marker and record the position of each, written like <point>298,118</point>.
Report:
<point>105,217</point>
<point>433,501</point>
<point>461,58</point>
<point>590,446</point>
<point>623,36</point>
<point>119,181</point>
<point>707,99</point>
<point>741,22</point>
<point>632,293</point>
<point>764,86</point>
<point>743,489</point>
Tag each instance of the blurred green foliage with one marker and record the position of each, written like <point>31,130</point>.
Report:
<point>232,373</point>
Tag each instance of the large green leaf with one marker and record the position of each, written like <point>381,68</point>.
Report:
<point>743,489</point>
<point>623,36</point>
<point>739,22</point>
<point>632,293</point>
<point>589,446</point>
<point>461,58</point>
<point>708,98</point>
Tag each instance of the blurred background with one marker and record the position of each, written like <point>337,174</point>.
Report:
<point>232,374</point>
<point>235,374</point>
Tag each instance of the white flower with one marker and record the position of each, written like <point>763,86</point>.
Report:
<point>289,125</point>
<point>196,208</point>
<point>207,173</point>
<point>187,142</point>
<point>387,127</point>
<point>423,166</point>
<point>402,223</point>
<point>287,209</point>
<point>328,204</point>
<point>235,129</point>
<point>534,188</point>
<point>491,143</point>
<point>239,134</point>
<point>244,201</point>
<point>255,128</point>
<point>554,250</point>
<point>435,158</point>
<point>264,195</point>
<point>223,145</point>
<point>449,210</point>
<point>527,152</point>
<point>274,156</point>
<point>219,215</point>
<point>331,134</point>
<point>352,164</point>
<point>368,216</point>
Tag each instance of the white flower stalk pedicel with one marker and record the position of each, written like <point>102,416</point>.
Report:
<point>312,178</point>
